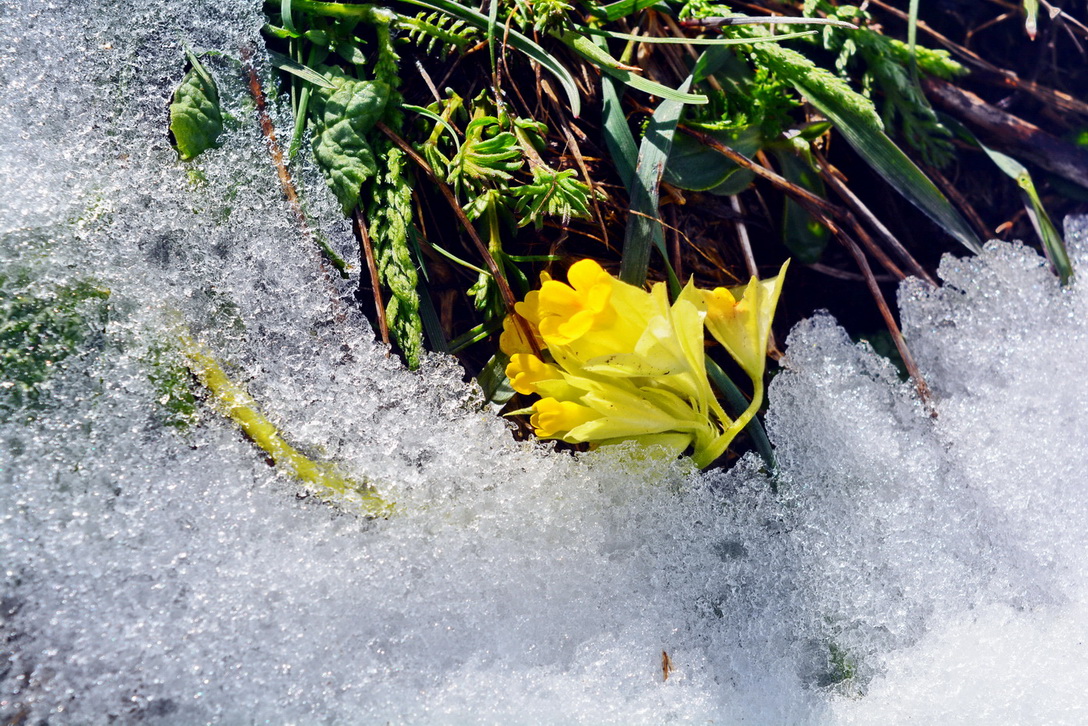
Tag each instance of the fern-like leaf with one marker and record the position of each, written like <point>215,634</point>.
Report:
<point>438,33</point>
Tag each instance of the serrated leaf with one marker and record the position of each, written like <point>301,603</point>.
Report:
<point>342,117</point>
<point>195,117</point>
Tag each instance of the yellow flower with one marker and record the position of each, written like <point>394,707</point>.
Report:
<point>553,419</point>
<point>513,338</point>
<point>526,370</point>
<point>740,319</point>
<point>623,363</point>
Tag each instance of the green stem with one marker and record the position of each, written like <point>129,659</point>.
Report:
<point>738,402</point>
<point>301,111</point>
<point>237,405</point>
<point>720,444</point>
<point>335,10</point>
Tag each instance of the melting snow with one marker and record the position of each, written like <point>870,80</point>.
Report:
<point>908,568</point>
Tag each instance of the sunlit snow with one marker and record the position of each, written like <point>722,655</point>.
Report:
<point>907,568</point>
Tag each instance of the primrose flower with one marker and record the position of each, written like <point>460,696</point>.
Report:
<point>740,319</point>
<point>623,363</point>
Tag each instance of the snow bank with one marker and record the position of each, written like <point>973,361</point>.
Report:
<point>907,568</point>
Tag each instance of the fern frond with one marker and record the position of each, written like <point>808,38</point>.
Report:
<point>439,32</point>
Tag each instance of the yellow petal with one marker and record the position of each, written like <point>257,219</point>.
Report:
<point>569,312</point>
<point>740,319</point>
<point>513,338</point>
<point>552,419</point>
<point>525,371</point>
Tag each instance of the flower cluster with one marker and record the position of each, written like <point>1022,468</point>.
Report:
<point>621,363</point>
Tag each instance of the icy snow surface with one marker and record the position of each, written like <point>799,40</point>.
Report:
<point>908,568</point>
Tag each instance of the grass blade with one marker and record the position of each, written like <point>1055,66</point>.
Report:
<point>621,8</point>
<point>680,40</point>
<point>617,134</point>
<point>856,119</point>
<point>892,164</point>
<point>279,60</point>
<point>288,20</point>
<point>1052,240</point>
<point>644,226</point>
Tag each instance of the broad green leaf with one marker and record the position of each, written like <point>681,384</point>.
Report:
<point>195,118</point>
<point>617,134</point>
<point>643,222</point>
<point>493,380</point>
<point>699,168</point>
<point>856,119</point>
<point>342,117</point>
<point>586,48</point>
<point>805,238</point>
<point>349,51</point>
<point>520,42</point>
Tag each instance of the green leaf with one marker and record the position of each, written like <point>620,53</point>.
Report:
<point>805,238</point>
<point>279,60</point>
<point>428,315</point>
<point>518,40</point>
<point>39,328</point>
<point>586,48</point>
<point>699,168</point>
<point>285,12</point>
<point>617,134</point>
<point>622,8</point>
<point>195,118</point>
<point>856,119</point>
<point>342,117</point>
<point>1048,233</point>
<point>684,40</point>
<point>487,154</point>
<point>492,379</point>
<point>389,218</point>
<point>554,193</point>
<point>643,223</point>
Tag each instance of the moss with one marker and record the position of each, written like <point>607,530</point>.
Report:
<point>40,330</point>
